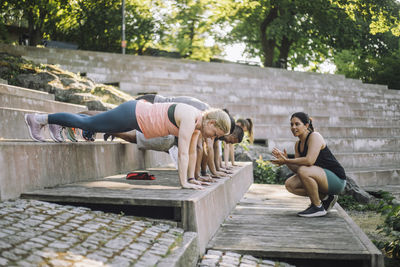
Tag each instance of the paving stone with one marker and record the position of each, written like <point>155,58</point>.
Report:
<point>249,257</point>
<point>73,257</point>
<point>96,257</point>
<point>9,255</point>
<point>268,262</point>
<point>249,265</point>
<point>230,259</point>
<point>214,257</point>
<point>60,246</point>
<point>87,263</point>
<point>214,252</point>
<point>233,254</point>
<point>3,261</point>
<point>34,258</point>
<point>23,263</point>
<point>120,262</point>
<point>4,245</point>
<point>131,254</point>
<point>225,264</point>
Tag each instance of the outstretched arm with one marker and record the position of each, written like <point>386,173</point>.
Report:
<point>187,141</point>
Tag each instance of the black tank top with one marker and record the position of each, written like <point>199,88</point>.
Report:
<point>325,159</point>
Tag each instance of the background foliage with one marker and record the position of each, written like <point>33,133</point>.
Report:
<point>361,37</point>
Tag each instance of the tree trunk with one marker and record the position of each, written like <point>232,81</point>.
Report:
<point>268,45</point>
<point>284,52</point>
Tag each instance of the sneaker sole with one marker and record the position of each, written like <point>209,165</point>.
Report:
<point>29,130</point>
<point>70,137</point>
<point>333,202</point>
<point>316,214</point>
<point>53,137</point>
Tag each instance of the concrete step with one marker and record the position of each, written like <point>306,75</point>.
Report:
<point>183,87</point>
<point>14,124</point>
<point>345,144</point>
<point>30,165</point>
<point>324,120</point>
<point>372,176</point>
<point>270,131</point>
<point>368,159</point>
<point>19,91</point>
<point>190,209</point>
<point>49,106</point>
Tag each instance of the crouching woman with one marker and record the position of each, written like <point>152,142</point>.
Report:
<point>318,175</point>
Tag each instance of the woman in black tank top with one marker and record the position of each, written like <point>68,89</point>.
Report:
<point>318,175</point>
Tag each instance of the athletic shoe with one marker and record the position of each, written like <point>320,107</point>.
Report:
<point>61,134</point>
<point>35,128</point>
<point>55,132</point>
<point>313,211</point>
<point>71,134</point>
<point>329,202</point>
<point>107,135</point>
<point>173,153</point>
<point>88,135</point>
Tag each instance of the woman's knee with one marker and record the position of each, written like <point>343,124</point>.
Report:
<point>290,184</point>
<point>303,171</point>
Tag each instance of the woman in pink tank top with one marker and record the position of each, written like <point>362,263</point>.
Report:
<point>154,120</point>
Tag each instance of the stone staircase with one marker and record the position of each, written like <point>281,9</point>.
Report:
<point>359,121</point>
<point>27,165</point>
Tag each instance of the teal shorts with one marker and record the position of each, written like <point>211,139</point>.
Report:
<point>335,184</point>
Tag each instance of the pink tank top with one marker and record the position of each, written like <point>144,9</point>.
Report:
<point>153,119</point>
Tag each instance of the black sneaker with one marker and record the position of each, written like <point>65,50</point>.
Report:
<point>313,211</point>
<point>329,202</point>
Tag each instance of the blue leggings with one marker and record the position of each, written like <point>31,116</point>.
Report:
<point>119,119</point>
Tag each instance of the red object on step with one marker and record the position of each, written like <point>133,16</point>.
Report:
<point>140,176</point>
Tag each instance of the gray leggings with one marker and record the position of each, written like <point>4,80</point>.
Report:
<point>117,120</point>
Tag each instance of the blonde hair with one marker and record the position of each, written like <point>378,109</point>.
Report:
<point>222,120</point>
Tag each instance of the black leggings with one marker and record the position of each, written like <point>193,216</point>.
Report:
<point>119,119</point>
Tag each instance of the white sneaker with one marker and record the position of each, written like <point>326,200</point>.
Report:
<point>35,128</point>
<point>173,153</point>
<point>55,133</point>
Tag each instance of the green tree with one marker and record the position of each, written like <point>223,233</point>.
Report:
<point>288,31</point>
<point>376,59</point>
<point>190,23</point>
<point>34,14</point>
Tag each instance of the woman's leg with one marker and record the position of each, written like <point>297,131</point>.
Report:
<point>314,182</point>
<point>295,186</point>
<point>119,119</point>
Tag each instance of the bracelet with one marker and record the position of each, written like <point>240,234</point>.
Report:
<point>203,173</point>
<point>190,179</point>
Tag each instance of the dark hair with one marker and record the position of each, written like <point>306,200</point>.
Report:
<point>232,121</point>
<point>249,125</point>
<point>237,132</point>
<point>147,97</point>
<point>304,119</point>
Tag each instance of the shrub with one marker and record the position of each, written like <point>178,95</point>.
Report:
<point>266,173</point>
<point>391,226</point>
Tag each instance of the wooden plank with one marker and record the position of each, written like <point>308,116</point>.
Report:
<point>265,224</point>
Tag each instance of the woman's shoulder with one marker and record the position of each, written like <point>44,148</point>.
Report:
<point>316,137</point>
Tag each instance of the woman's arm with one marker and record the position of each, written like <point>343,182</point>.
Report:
<point>315,145</point>
<point>226,154</point>
<point>187,141</point>
<point>211,161</point>
<point>193,153</point>
<point>232,153</point>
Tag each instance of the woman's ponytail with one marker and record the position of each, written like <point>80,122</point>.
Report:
<point>250,128</point>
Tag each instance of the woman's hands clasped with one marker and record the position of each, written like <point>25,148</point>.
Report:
<point>280,157</point>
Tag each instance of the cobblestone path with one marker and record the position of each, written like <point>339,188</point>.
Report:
<point>35,233</point>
